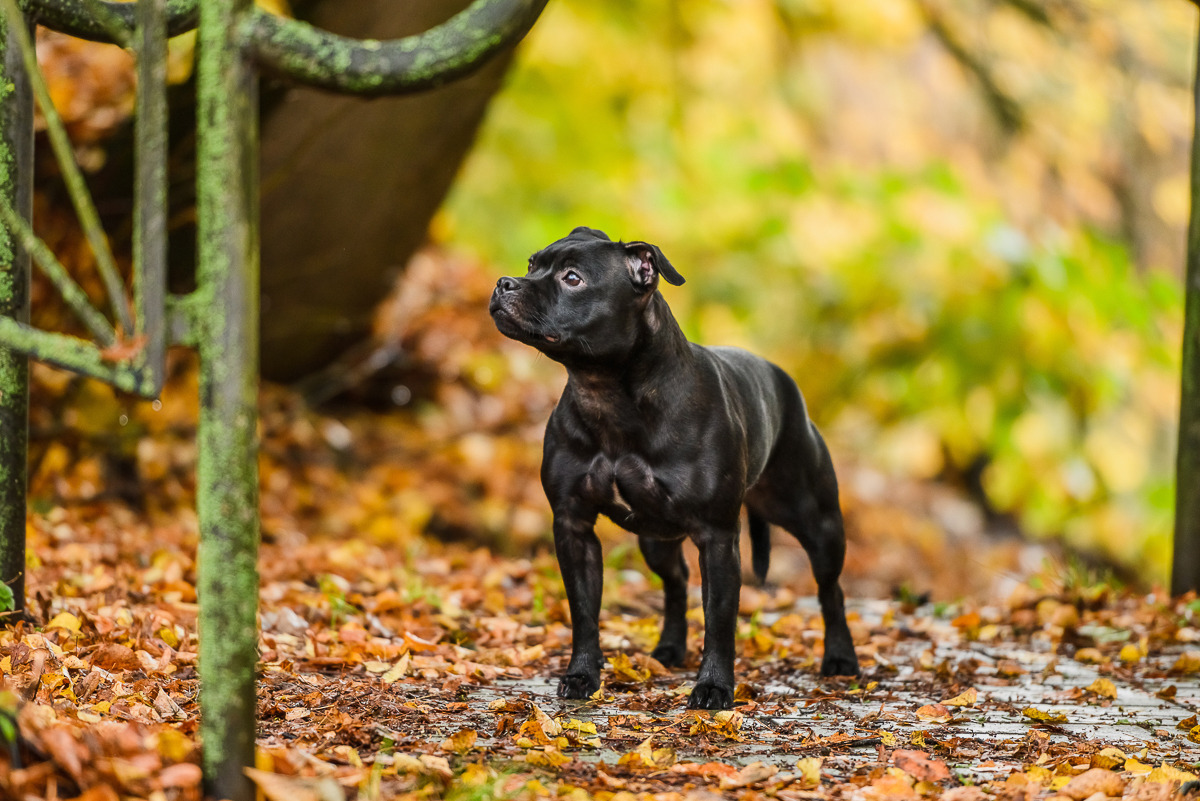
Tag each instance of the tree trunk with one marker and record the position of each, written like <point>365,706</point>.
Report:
<point>349,187</point>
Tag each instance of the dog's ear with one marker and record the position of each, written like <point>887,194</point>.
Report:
<point>583,232</point>
<point>646,262</point>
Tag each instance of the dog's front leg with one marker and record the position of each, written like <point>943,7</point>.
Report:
<point>580,560</point>
<point>721,577</point>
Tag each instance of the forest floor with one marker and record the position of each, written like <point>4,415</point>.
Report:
<point>400,658</point>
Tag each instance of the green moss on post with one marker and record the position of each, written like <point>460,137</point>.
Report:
<point>16,158</point>
<point>1185,567</point>
<point>370,67</point>
<point>73,17</point>
<point>227,480</point>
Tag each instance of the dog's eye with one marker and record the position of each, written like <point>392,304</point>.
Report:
<point>571,278</point>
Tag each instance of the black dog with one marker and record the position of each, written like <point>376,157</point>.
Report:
<point>669,440</point>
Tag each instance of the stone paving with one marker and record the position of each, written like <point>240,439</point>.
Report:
<point>806,717</point>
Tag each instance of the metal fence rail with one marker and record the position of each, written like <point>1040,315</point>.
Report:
<point>220,318</point>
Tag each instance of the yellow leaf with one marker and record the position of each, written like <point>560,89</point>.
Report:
<point>624,670</point>
<point>1188,662</point>
<point>1109,758</point>
<point>647,756</point>
<point>172,744</point>
<point>64,620</point>
<point>1167,774</point>
<point>966,698</point>
<point>581,726</point>
<point>476,775</point>
<point>1038,774</point>
<point>1103,688</point>
<point>809,770</point>
<point>397,671</point>
<point>888,739</point>
<point>1132,765</point>
<point>1042,716</point>
<point>726,723</point>
<point>1130,653</point>
<point>461,742</point>
<point>546,758</point>
<point>1089,656</point>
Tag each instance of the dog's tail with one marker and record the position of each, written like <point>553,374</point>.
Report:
<point>760,546</point>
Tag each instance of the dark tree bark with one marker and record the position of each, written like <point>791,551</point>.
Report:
<point>349,187</point>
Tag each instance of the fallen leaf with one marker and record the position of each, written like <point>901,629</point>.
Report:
<point>966,698</point>
<point>935,713</point>
<point>1042,716</point>
<point>277,787</point>
<point>548,757</point>
<point>65,621</point>
<point>1109,758</point>
<point>1187,663</point>
<point>920,765</point>
<point>647,756</point>
<point>114,656</point>
<point>1135,766</point>
<point>181,775</point>
<point>625,671</point>
<point>123,349</point>
<point>809,770</point>
<point>461,742</point>
<point>1103,688</point>
<point>1095,780</point>
<point>1167,774</point>
<point>753,773</point>
<point>726,723</point>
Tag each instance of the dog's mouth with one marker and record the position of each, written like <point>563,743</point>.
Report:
<point>511,325</point>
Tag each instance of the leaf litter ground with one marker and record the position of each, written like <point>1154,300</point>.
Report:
<point>396,662</point>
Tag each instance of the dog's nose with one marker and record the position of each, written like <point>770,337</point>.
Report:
<point>506,284</point>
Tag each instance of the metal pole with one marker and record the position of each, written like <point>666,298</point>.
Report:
<point>227,473</point>
<point>1185,566</point>
<point>16,171</point>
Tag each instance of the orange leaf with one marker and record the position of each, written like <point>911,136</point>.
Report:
<point>123,350</point>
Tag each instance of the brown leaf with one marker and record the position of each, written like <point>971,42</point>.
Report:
<point>181,775</point>
<point>114,656</point>
<point>65,750</point>
<point>753,773</point>
<point>920,765</point>
<point>1095,780</point>
<point>276,787</point>
<point>935,713</point>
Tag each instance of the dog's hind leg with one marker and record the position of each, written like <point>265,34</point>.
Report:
<point>760,546</point>
<point>804,501</point>
<point>665,558</point>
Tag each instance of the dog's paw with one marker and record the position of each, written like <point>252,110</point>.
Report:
<point>835,664</point>
<point>710,696</point>
<point>577,686</point>
<point>669,654</point>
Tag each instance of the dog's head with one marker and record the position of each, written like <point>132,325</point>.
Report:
<point>585,298</point>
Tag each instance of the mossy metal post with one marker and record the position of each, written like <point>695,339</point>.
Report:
<point>220,318</point>
<point>227,473</point>
<point>1185,563</point>
<point>16,156</point>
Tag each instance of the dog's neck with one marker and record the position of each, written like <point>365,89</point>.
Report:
<point>659,363</point>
